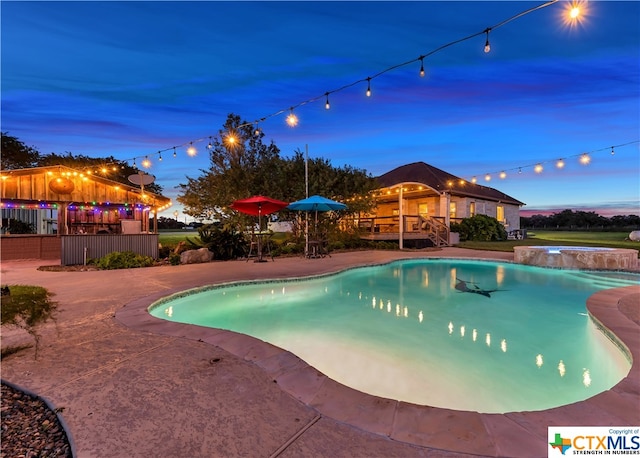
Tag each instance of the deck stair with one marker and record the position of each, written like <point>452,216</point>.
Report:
<point>435,230</point>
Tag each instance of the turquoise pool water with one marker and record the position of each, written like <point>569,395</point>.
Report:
<point>466,335</point>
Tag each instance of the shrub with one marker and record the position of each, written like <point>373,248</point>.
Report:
<point>481,228</point>
<point>224,242</point>
<point>124,260</point>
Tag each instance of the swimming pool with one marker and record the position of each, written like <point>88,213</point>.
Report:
<point>467,335</point>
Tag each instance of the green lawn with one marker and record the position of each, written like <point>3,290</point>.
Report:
<point>560,238</point>
<point>172,238</point>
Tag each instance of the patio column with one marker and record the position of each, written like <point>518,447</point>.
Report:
<point>401,220</point>
<point>63,227</point>
<point>445,200</point>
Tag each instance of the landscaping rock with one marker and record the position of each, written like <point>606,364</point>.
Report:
<point>196,256</point>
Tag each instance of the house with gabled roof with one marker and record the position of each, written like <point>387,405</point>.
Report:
<point>417,202</point>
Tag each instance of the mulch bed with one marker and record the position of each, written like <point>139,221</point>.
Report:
<point>29,428</point>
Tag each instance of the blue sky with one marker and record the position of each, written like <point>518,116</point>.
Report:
<point>131,78</point>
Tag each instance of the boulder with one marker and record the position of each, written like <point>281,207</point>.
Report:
<point>196,256</point>
<point>634,236</point>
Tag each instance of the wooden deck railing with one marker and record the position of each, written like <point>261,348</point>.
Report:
<point>432,228</point>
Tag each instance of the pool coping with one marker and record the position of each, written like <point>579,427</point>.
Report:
<point>510,434</point>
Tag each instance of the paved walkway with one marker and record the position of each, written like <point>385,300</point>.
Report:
<point>135,386</point>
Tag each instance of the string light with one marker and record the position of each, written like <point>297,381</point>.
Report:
<point>585,159</point>
<point>191,151</point>
<point>487,46</point>
<point>146,163</point>
<point>231,140</point>
<point>292,119</point>
<point>503,175</point>
<point>577,10</point>
<point>487,177</point>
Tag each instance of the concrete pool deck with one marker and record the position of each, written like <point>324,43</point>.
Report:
<point>132,385</point>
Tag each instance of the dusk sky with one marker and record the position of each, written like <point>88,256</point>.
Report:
<point>129,79</point>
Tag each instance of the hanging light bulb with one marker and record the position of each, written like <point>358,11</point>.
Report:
<point>538,168</point>
<point>159,156</point>
<point>503,175</point>
<point>210,144</point>
<point>191,151</point>
<point>487,46</point>
<point>174,151</point>
<point>474,180</point>
<point>487,177</point>
<point>231,140</point>
<point>519,169</point>
<point>368,87</point>
<point>146,163</point>
<point>612,151</point>
<point>422,73</point>
<point>585,159</point>
<point>256,131</point>
<point>134,163</point>
<point>560,163</point>
<point>292,119</point>
<point>327,105</point>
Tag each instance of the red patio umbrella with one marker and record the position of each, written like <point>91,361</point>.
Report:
<point>258,206</point>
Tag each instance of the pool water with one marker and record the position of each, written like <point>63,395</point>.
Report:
<point>466,335</point>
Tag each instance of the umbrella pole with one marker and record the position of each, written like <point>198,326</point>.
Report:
<point>306,234</point>
<point>259,235</point>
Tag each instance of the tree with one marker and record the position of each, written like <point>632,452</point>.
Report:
<point>17,155</point>
<point>241,165</point>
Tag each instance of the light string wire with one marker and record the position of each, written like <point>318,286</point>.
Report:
<point>354,83</point>
<point>585,154</point>
<point>325,96</point>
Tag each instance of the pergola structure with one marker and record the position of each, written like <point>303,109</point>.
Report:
<point>77,202</point>
<point>77,216</point>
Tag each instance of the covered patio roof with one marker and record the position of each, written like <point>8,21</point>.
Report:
<point>61,184</point>
<point>424,178</point>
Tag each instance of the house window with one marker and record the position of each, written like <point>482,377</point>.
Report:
<point>500,213</point>
<point>452,210</point>
<point>472,209</point>
<point>423,209</point>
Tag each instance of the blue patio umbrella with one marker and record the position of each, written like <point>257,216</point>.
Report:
<point>315,204</point>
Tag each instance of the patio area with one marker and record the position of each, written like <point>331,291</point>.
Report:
<point>135,386</point>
